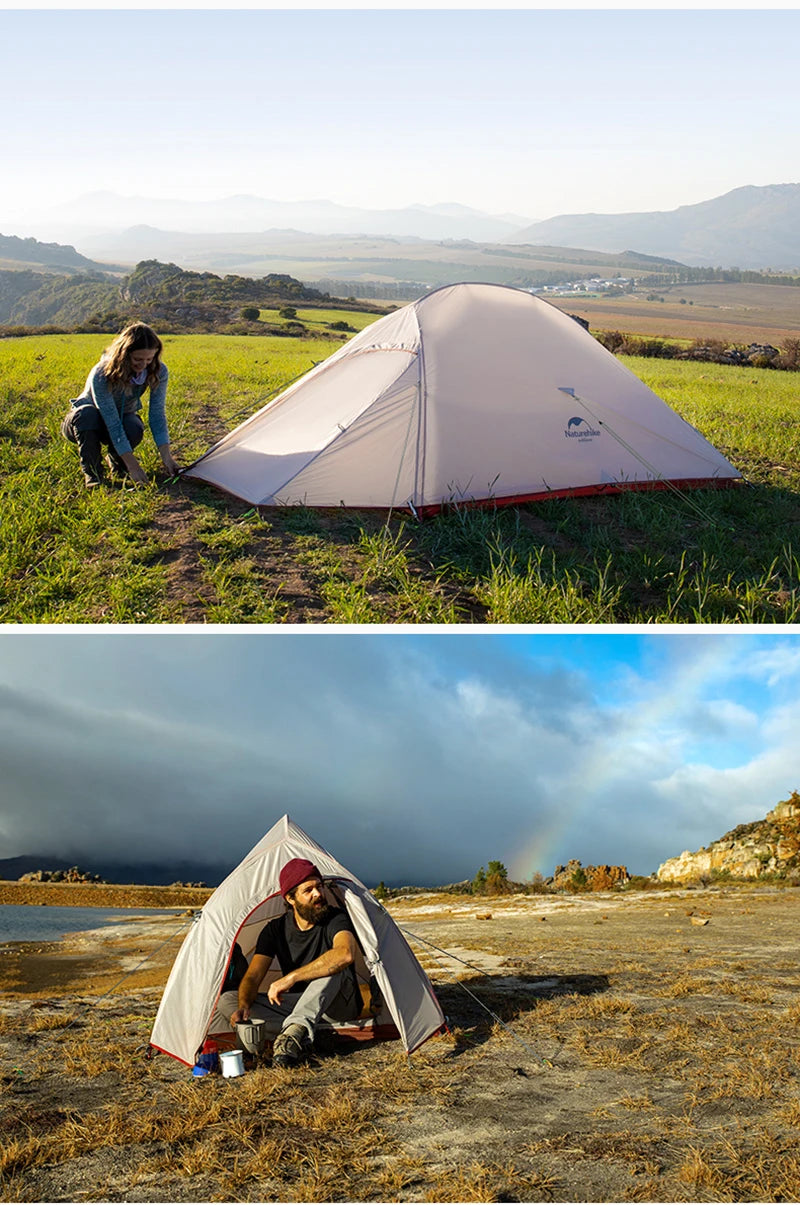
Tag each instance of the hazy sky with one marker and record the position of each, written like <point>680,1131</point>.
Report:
<point>538,112</point>
<point>412,757</point>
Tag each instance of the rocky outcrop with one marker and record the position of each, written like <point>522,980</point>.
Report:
<point>73,875</point>
<point>574,876</point>
<point>765,848</point>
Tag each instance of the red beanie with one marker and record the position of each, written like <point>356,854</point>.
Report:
<point>296,872</point>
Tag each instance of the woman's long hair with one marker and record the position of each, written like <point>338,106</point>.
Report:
<point>117,356</point>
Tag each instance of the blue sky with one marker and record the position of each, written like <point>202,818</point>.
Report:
<point>413,757</point>
<point>534,111</point>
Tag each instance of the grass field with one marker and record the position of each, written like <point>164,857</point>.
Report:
<point>600,1048</point>
<point>180,552</point>
<point>318,321</point>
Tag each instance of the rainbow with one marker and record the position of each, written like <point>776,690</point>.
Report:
<point>681,676</point>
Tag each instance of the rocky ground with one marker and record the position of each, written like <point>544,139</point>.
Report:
<point>611,1046</point>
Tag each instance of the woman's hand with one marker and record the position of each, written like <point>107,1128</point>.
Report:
<point>135,470</point>
<point>169,463</point>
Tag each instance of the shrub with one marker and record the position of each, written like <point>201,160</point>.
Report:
<point>287,311</point>
<point>611,340</point>
<point>578,879</point>
<point>651,348</point>
<point>496,884</point>
<point>643,882</point>
<point>251,313</point>
<point>537,885</point>
<point>790,356</point>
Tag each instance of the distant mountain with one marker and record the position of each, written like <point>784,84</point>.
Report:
<point>55,257</point>
<point>106,211</point>
<point>750,227</point>
<point>747,228</point>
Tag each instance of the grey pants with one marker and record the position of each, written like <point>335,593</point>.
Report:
<point>331,999</point>
<point>85,426</point>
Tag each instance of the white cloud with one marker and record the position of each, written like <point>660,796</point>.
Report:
<point>775,664</point>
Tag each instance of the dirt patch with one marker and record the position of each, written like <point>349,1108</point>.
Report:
<point>173,527</point>
<point>599,1048</point>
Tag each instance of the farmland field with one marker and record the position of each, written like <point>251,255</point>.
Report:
<point>736,313</point>
<point>180,552</point>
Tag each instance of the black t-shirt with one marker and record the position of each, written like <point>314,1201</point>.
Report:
<point>295,948</point>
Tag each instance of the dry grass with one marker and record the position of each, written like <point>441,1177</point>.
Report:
<point>635,1068</point>
<point>490,1182</point>
<point>101,895</point>
<point>761,1168</point>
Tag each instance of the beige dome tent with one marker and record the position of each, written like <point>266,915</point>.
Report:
<point>236,913</point>
<point>474,392</point>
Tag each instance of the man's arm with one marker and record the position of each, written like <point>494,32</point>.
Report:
<point>248,988</point>
<point>341,955</point>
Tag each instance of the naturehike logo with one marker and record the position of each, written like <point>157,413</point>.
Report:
<point>578,428</point>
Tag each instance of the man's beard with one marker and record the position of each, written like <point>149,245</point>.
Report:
<point>315,914</point>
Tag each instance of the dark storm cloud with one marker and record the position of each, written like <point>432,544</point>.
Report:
<point>406,760</point>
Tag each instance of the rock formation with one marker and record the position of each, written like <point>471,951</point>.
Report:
<point>768,847</point>
<point>73,875</point>
<point>587,878</point>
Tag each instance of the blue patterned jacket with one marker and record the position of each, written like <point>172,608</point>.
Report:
<point>128,400</point>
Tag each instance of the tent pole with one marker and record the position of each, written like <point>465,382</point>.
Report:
<point>646,463</point>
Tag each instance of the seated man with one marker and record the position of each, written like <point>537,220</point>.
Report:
<point>316,948</point>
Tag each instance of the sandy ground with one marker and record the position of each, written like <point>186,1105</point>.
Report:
<point>601,1048</point>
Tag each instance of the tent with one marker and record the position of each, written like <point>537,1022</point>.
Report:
<point>474,392</point>
<point>236,913</point>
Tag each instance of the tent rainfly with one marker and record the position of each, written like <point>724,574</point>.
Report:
<point>236,913</point>
<point>476,392</point>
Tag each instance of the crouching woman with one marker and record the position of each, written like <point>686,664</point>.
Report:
<point>107,412</point>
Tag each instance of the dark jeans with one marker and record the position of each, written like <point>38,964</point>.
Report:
<point>84,426</point>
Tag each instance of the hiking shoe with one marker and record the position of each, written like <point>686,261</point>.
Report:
<point>115,466</point>
<point>92,480</point>
<point>290,1046</point>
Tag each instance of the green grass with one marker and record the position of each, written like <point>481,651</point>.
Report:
<point>320,320</point>
<point>178,552</point>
